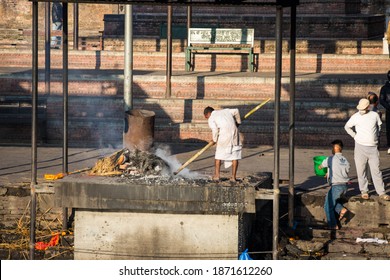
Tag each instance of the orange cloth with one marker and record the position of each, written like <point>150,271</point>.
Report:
<point>43,245</point>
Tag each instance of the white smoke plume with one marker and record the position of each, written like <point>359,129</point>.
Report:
<point>164,152</point>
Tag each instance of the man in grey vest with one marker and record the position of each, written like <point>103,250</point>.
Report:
<point>337,175</point>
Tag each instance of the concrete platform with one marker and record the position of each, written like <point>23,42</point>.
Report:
<point>160,194</point>
<point>159,217</point>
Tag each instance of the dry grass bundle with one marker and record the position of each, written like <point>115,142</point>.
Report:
<point>18,239</point>
<point>108,165</point>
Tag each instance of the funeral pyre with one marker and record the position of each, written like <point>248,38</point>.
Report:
<point>156,167</point>
<point>131,163</point>
<point>142,165</point>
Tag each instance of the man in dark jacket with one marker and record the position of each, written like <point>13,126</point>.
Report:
<point>384,99</point>
<point>56,14</point>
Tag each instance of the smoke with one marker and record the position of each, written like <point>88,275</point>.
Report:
<point>164,152</point>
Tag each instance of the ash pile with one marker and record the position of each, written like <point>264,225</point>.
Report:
<point>157,168</point>
<point>137,165</point>
<point>131,163</point>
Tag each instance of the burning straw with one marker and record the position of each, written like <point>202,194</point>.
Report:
<point>140,163</point>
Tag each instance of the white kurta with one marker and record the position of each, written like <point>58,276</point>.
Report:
<point>223,124</point>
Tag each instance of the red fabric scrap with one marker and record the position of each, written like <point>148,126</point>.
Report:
<point>44,245</point>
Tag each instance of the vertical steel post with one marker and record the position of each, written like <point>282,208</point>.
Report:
<point>291,128</point>
<point>75,26</point>
<point>34,129</point>
<point>47,47</point>
<point>65,100</point>
<point>278,84</point>
<point>128,69</point>
<point>169,53</point>
<point>65,85</point>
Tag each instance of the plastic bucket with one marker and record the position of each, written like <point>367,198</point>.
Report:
<point>317,162</point>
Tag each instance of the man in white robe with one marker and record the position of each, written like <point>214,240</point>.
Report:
<point>224,126</point>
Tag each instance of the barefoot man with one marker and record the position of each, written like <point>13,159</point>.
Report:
<point>224,126</point>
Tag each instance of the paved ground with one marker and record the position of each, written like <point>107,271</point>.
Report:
<point>15,163</point>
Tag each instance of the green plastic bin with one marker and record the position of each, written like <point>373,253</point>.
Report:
<point>317,162</point>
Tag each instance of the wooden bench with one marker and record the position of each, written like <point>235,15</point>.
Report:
<point>211,40</point>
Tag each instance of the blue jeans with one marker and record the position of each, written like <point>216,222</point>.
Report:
<point>332,203</point>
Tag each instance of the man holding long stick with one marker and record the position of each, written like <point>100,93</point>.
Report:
<point>224,126</point>
<point>208,112</point>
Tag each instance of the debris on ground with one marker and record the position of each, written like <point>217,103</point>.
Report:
<point>51,241</point>
<point>126,162</point>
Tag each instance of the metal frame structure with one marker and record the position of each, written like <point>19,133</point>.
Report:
<point>279,6</point>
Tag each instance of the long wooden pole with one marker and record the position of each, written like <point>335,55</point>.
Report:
<point>194,157</point>
<point>212,143</point>
<point>256,108</point>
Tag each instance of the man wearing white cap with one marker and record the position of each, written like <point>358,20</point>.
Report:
<point>366,130</point>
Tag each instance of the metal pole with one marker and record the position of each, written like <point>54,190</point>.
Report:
<point>47,47</point>
<point>169,53</point>
<point>291,128</point>
<point>65,85</point>
<point>75,26</point>
<point>189,17</point>
<point>65,100</point>
<point>278,83</point>
<point>34,118</point>
<point>128,71</point>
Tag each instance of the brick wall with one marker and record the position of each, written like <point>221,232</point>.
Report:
<point>15,207</point>
<point>16,14</point>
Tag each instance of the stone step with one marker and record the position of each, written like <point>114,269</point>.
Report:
<point>319,24</point>
<point>379,211</point>
<point>352,247</point>
<point>315,243</point>
<point>262,45</point>
<point>344,256</point>
<point>347,88</point>
<point>304,7</point>
<point>103,132</point>
<point>96,97</point>
<point>147,61</point>
<point>369,221</point>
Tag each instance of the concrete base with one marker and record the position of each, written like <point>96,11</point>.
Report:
<point>161,218</point>
<point>123,235</point>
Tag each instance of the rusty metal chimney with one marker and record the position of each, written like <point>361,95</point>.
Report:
<point>139,130</point>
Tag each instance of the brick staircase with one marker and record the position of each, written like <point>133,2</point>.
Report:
<point>339,60</point>
<point>149,60</point>
<point>327,91</point>
<point>345,244</point>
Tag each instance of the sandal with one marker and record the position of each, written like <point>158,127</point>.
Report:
<point>365,196</point>
<point>385,197</point>
<point>216,179</point>
<point>342,214</point>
